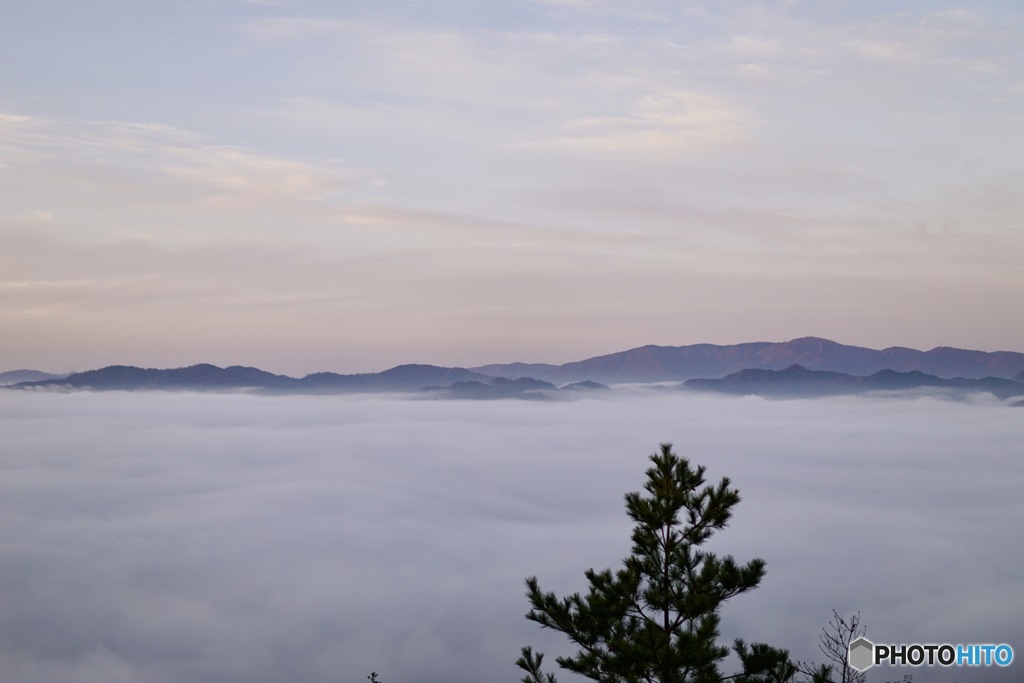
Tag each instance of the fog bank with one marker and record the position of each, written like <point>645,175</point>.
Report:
<point>158,538</point>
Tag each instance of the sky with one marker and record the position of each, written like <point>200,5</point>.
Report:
<point>305,185</point>
<point>224,538</point>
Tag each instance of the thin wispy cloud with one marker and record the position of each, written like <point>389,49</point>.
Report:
<point>667,123</point>
<point>424,174</point>
<point>216,171</point>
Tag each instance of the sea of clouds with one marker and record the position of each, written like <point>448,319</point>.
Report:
<point>168,537</point>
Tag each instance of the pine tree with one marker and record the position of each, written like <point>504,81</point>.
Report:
<point>656,619</point>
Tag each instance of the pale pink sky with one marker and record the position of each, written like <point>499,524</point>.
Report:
<point>308,186</point>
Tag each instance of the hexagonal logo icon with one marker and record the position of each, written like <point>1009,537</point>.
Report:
<point>862,654</point>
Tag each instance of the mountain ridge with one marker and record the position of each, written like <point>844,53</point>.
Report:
<point>644,364</point>
<point>204,376</point>
<point>653,363</point>
<point>22,375</point>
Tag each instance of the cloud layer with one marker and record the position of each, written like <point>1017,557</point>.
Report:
<point>156,538</point>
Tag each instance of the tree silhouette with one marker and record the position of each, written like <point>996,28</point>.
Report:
<point>834,643</point>
<point>656,619</point>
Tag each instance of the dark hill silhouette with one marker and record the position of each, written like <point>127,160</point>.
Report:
<point>419,376</point>
<point>261,378</point>
<point>517,370</point>
<point>129,377</point>
<point>497,387</point>
<point>585,385</point>
<point>399,378</point>
<point>798,381</point>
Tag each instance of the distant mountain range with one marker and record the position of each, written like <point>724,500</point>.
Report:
<point>236,377</point>
<point>802,367</point>
<point>680,363</point>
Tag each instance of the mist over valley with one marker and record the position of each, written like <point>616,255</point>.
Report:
<point>170,536</point>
